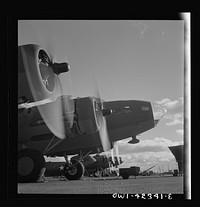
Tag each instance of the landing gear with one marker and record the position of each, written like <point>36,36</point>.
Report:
<point>74,170</point>
<point>97,173</point>
<point>31,165</point>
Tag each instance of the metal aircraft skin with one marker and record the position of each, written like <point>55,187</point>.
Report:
<point>38,132</point>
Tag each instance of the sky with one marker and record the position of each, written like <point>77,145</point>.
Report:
<point>130,60</point>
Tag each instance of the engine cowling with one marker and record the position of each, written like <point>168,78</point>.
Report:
<point>86,115</point>
<point>31,65</point>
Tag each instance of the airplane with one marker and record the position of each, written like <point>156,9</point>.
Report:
<point>94,165</point>
<point>103,166</point>
<point>51,123</point>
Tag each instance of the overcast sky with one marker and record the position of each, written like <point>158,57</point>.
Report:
<point>142,60</point>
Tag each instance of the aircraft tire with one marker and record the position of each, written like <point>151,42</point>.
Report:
<point>31,165</point>
<point>125,175</point>
<point>75,171</point>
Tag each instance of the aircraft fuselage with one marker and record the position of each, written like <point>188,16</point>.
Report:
<point>128,119</point>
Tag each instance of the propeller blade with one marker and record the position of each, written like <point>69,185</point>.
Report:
<point>114,152</point>
<point>67,100</point>
<point>103,132</point>
<point>52,114</point>
<point>49,45</point>
<point>116,147</point>
<point>68,107</point>
<point>112,156</point>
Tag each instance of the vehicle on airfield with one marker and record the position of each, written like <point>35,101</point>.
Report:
<point>134,170</point>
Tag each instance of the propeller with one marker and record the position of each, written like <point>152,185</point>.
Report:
<point>101,113</point>
<point>158,112</point>
<point>67,107</point>
<point>115,153</point>
<point>116,147</point>
<point>58,68</point>
<point>46,88</point>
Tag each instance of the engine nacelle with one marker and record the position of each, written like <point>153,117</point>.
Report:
<point>37,74</point>
<point>86,112</point>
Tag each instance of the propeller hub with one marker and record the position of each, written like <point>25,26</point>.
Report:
<point>60,67</point>
<point>106,112</point>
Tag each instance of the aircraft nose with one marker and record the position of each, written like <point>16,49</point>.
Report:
<point>158,113</point>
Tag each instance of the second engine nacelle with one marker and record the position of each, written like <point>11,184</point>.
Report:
<point>86,111</point>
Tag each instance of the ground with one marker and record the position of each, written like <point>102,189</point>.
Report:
<point>110,185</point>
